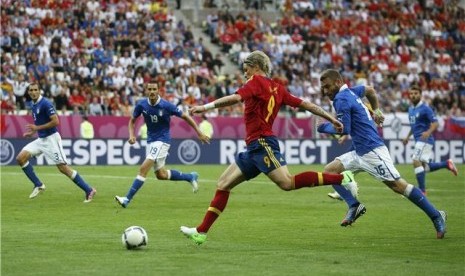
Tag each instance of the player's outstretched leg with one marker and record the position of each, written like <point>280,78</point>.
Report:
<point>353,214</point>
<point>335,195</point>
<point>193,234</point>
<point>78,180</point>
<point>29,172</point>
<point>122,200</point>
<point>37,190</point>
<point>440,224</point>
<point>451,166</point>
<point>194,183</point>
<point>217,206</point>
<point>313,179</point>
<point>448,164</point>
<point>348,192</point>
<point>437,217</point>
<point>90,195</point>
<point>136,185</point>
<point>192,178</point>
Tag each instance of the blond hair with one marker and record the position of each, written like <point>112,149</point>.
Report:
<point>260,59</point>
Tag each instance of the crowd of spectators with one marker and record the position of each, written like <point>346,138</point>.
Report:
<point>93,57</point>
<point>387,44</point>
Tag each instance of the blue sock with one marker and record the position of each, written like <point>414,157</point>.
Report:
<point>421,201</point>
<point>177,175</point>
<point>136,185</point>
<point>420,174</point>
<point>80,182</point>
<point>436,166</point>
<point>346,195</point>
<point>29,171</point>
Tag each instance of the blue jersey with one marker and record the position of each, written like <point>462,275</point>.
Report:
<point>157,118</point>
<point>41,112</point>
<point>421,117</point>
<point>356,118</point>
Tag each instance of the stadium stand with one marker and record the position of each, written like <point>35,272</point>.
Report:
<point>90,53</point>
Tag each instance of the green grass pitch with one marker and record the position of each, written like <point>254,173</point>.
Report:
<point>263,231</point>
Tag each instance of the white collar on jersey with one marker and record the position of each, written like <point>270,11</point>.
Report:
<point>418,104</point>
<point>345,86</point>
<point>38,100</point>
<point>159,99</point>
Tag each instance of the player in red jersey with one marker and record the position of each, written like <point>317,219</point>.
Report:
<point>262,98</point>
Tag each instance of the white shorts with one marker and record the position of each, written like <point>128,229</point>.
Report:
<point>50,146</point>
<point>158,151</point>
<point>377,162</point>
<point>423,152</point>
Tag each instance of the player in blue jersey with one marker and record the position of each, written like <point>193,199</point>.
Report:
<point>423,123</point>
<point>369,154</point>
<point>48,143</point>
<point>157,114</point>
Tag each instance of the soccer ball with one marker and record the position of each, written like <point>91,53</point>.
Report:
<point>134,237</point>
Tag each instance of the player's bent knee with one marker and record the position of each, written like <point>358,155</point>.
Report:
<point>161,175</point>
<point>285,186</point>
<point>397,186</point>
<point>65,170</point>
<point>22,158</point>
<point>332,167</point>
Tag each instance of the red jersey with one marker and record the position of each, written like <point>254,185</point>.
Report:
<point>262,99</point>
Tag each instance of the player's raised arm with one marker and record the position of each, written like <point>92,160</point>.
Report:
<point>202,137</point>
<point>221,102</point>
<point>317,110</point>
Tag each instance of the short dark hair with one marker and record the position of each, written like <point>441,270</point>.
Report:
<point>331,74</point>
<point>31,84</point>
<point>416,87</point>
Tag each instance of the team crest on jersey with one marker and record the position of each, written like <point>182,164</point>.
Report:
<point>160,112</point>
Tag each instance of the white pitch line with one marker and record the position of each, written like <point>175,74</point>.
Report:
<point>363,187</point>
<point>98,176</point>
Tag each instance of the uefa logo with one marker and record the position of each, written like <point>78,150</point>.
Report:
<point>189,152</point>
<point>7,152</point>
<point>396,124</point>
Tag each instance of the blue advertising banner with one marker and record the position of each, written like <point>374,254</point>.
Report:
<point>187,151</point>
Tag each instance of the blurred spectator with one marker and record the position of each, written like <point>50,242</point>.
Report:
<point>118,46</point>
<point>95,108</point>
<point>87,129</point>
<point>206,127</point>
<point>143,132</point>
<point>61,102</point>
